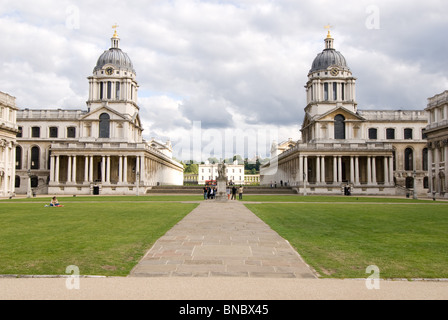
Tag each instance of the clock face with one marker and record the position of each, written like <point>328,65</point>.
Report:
<point>109,71</point>
<point>334,72</point>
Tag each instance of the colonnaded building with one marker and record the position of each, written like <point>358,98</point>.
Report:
<point>437,134</point>
<point>95,151</point>
<point>374,152</point>
<point>8,132</point>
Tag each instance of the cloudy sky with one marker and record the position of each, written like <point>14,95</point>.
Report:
<point>229,72</point>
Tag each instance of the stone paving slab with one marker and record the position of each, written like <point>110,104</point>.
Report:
<point>222,240</point>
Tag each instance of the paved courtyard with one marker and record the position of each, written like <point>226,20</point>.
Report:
<point>222,239</point>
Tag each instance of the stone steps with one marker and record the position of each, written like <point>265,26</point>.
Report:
<point>198,190</point>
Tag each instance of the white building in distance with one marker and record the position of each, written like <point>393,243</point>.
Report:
<point>95,151</point>
<point>209,172</point>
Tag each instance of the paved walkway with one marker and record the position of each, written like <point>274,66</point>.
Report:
<point>222,239</point>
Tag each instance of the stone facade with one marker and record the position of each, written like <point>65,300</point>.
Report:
<point>372,152</point>
<point>99,150</point>
<point>8,132</point>
<point>437,135</point>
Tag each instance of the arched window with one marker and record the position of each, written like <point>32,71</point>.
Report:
<point>339,127</point>
<point>408,159</point>
<point>18,158</point>
<point>104,125</point>
<point>425,159</point>
<point>35,158</point>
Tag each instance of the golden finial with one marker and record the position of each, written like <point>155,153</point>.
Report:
<point>115,26</point>
<point>328,27</point>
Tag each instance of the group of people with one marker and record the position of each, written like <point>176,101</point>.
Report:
<point>210,192</point>
<point>232,192</point>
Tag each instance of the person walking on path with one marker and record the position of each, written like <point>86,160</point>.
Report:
<point>240,192</point>
<point>205,193</point>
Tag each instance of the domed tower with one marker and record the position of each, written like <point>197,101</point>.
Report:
<point>330,82</point>
<point>113,82</point>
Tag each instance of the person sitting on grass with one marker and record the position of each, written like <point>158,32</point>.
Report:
<point>55,203</point>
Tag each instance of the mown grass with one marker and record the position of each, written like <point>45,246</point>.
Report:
<point>102,238</point>
<point>342,240</point>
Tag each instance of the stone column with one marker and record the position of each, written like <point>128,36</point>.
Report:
<point>125,169</point>
<point>340,169</point>
<point>91,170</point>
<point>120,169</point>
<point>52,177</point>
<point>352,170</point>
<point>74,169</point>
<point>335,169</point>
<point>86,169</point>
<point>357,170</point>
<point>386,172</point>
<point>142,169</point>
<point>374,180</point>
<point>103,169</point>
<point>446,170</point>
<point>69,169</point>
<point>305,164</point>
<point>369,170</point>
<point>318,169</point>
<point>323,175</point>
<point>300,168</point>
<point>56,169</point>
<point>108,170</point>
<point>436,172</point>
<point>430,172</point>
<point>391,171</point>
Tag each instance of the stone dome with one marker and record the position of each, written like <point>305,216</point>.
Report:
<point>329,57</point>
<point>116,58</point>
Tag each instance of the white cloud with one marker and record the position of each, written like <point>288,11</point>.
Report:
<point>229,64</point>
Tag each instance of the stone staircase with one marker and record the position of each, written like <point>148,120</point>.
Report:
<point>198,190</point>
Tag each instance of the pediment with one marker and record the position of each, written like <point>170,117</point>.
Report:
<point>95,114</point>
<point>348,115</point>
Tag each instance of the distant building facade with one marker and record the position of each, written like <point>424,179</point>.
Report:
<point>372,152</point>
<point>437,135</point>
<point>8,132</point>
<point>99,150</point>
<point>208,171</point>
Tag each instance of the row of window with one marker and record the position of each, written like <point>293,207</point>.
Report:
<point>339,131</point>
<point>390,134</point>
<point>53,132</point>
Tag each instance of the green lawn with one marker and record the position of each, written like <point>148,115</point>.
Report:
<point>104,238</point>
<point>146,198</point>
<point>342,240</point>
<point>299,198</point>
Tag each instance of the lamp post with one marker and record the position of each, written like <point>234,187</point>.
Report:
<point>414,191</point>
